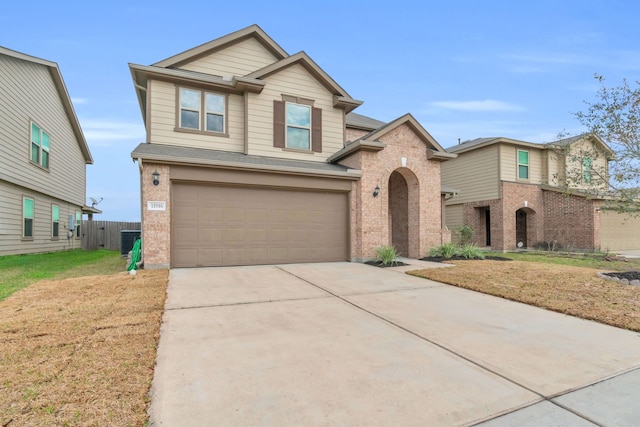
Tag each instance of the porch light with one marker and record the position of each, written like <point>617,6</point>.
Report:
<point>156,177</point>
<point>376,191</point>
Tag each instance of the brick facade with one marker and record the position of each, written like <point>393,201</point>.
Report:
<point>373,225</point>
<point>571,221</point>
<point>550,217</point>
<point>156,224</point>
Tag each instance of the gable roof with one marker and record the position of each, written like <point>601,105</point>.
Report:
<point>369,141</point>
<point>62,93</point>
<point>358,121</point>
<point>252,31</point>
<point>484,142</point>
<point>341,97</point>
<point>568,141</point>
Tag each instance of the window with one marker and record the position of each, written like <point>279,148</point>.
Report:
<point>201,111</point>
<point>587,165</point>
<point>78,221</point>
<point>27,217</point>
<point>55,221</point>
<point>298,126</point>
<point>523,164</point>
<point>40,145</point>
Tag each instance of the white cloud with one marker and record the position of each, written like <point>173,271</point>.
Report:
<point>77,101</point>
<point>103,132</point>
<point>485,105</point>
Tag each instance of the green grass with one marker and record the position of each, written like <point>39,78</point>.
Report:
<point>589,260</point>
<point>20,271</point>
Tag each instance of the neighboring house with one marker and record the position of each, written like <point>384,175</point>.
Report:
<point>43,161</point>
<point>254,157</point>
<point>517,194</point>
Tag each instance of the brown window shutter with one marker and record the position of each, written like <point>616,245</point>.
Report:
<point>278,124</point>
<point>316,130</point>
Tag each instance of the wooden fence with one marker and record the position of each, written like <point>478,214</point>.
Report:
<point>104,234</point>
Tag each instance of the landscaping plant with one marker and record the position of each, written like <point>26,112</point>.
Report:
<point>387,254</point>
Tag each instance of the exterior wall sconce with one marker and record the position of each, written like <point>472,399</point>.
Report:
<point>156,177</point>
<point>376,191</point>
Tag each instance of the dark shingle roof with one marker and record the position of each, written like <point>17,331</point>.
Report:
<point>363,122</point>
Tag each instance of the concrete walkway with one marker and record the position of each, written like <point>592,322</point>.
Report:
<point>349,344</point>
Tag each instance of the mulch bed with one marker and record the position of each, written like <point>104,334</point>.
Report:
<point>629,275</point>
<point>383,265</point>
<point>459,258</point>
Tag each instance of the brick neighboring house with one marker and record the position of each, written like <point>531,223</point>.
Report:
<point>509,192</point>
<point>253,156</point>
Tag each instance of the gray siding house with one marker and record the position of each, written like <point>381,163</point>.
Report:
<point>43,158</point>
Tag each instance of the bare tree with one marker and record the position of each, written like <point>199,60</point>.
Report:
<point>615,118</point>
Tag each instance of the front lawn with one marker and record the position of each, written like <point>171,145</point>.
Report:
<point>565,283</point>
<point>20,271</point>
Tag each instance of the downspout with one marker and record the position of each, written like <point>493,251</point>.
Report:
<point>140,263</point>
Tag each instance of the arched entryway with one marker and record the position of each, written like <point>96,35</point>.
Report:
<point>404,212</point>
<point>399,213</point>
<point>521,228</point>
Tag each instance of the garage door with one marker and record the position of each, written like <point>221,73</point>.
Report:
<point>619,232</point>
<point>227,225</point>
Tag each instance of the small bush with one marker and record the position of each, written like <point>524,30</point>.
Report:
<point>446,250</point>
<point>470,251</point>
<point>387,254</point>
<point>465,232</point>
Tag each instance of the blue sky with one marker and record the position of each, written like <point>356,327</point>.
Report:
<point>464,69</point>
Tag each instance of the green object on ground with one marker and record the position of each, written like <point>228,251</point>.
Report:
<point>135,256</point>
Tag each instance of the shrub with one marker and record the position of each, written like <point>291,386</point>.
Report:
<point>470,251</point>
<point>446,250</point>
<point>465,232</point>
<point>387,254</point>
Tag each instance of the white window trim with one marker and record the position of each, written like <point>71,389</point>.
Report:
<point>32,218</point>
<point>518,164</point>
<point>41,148</point>
<point>287,125</point>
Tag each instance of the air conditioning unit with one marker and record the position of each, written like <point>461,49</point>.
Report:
<point>127,240</point>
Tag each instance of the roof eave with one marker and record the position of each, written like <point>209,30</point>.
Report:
<point>442,156</point>
<point>352,174</point>
<point>360,145</point>
<point>347,104</point>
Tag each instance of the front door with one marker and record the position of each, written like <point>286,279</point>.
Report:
<point>521,228</point>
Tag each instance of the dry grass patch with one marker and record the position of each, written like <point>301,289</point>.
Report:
<point>80,351</point>
<point>567,289</point>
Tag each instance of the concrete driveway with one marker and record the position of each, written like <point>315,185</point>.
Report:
<point>346,344</point>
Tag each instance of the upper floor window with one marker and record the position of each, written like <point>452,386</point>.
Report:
<point>27,217</point>
<point>55,221</point>
<point>523,164</point>
<point>40,145</point>
<point>587,165</point>
<point>298,126</point>
<point>201,111</point>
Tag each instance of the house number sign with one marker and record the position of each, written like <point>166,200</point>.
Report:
<point>156,206</point>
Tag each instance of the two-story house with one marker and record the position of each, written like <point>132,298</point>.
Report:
<point>43,161</point>
<point>252,156</point>
<point>516,194</point>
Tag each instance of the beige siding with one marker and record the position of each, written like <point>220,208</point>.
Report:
<point>455,219</point>
<point>163,122</point>
<point>294,81</point>
<point>555,166</point>
<point>574,166</point>
<point>473,174</point>
<point>509,164</point>
<point>27,92</point>
<point>237,60</point>
<point>11,241</point>
<point>619,232</point>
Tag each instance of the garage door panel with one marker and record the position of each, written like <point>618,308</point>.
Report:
<point>217,225</point>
